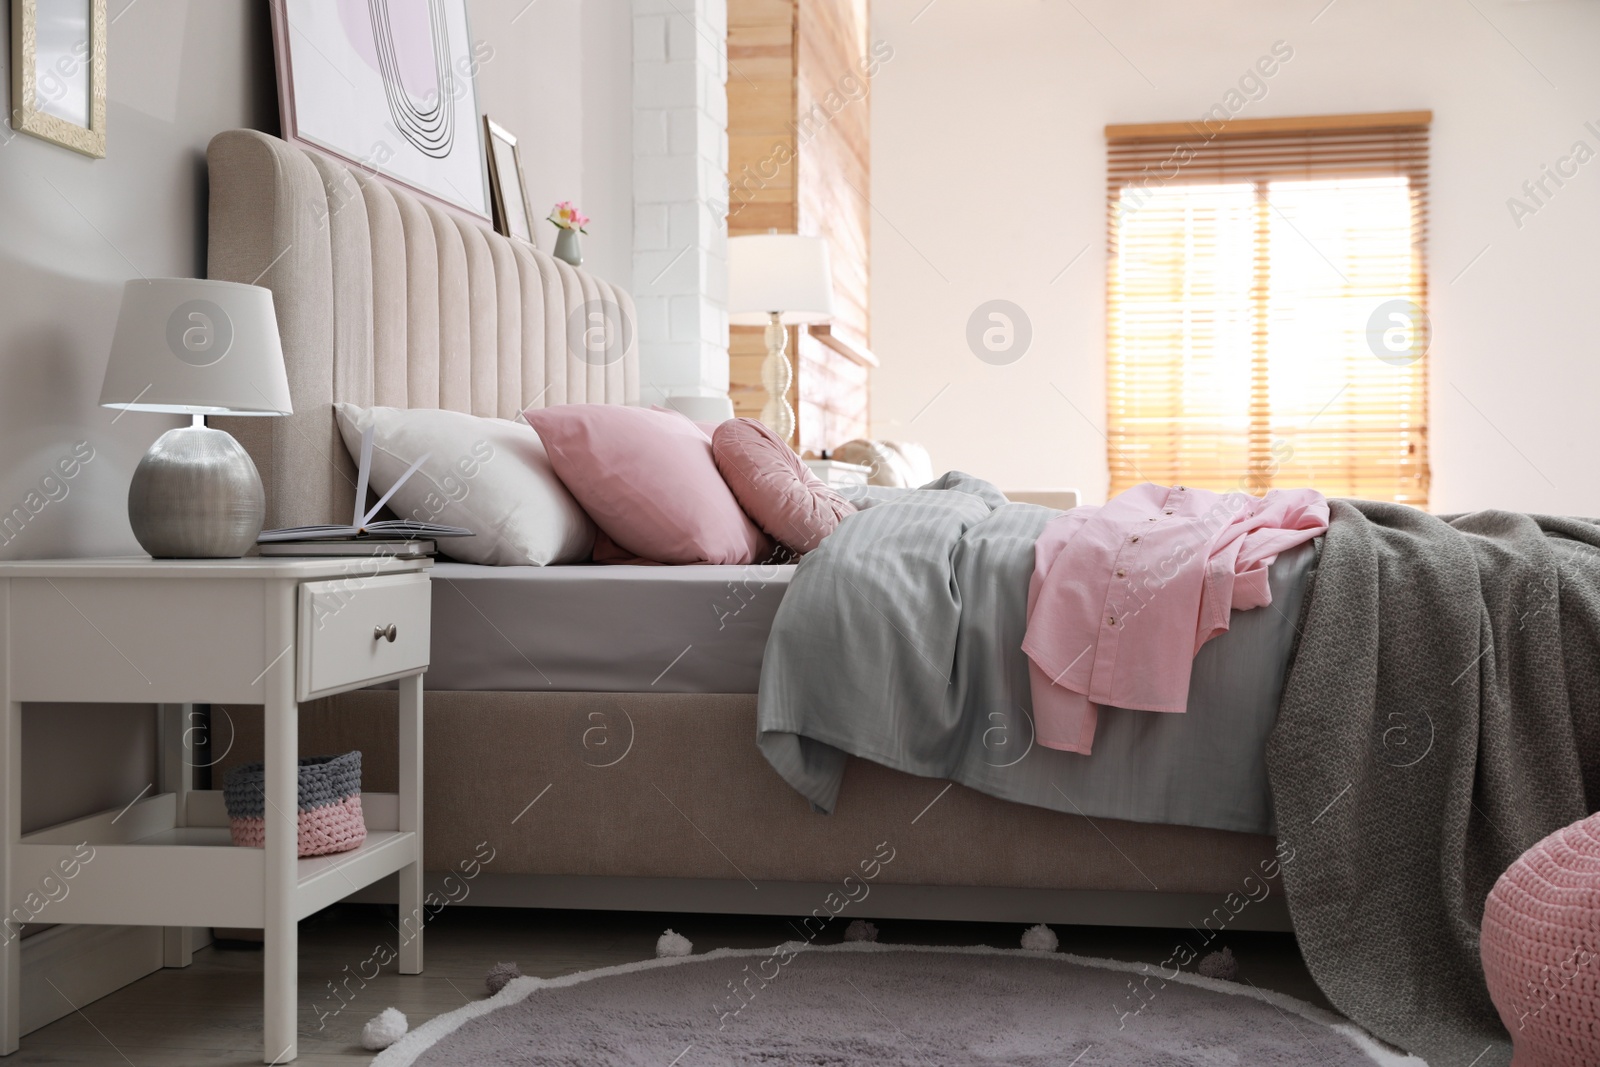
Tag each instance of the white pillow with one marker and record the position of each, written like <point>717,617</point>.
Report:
<point>902,464</point>
<point>490,475</point>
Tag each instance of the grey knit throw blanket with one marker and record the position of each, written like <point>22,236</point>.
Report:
<point>1442,714</point>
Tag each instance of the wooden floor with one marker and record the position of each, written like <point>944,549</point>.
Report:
<point>210,1013</point>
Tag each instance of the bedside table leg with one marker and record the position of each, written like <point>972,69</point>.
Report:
<point>178,725</point>
<point>280,941</point>
<point>411,897</point>
<point>11,827</point>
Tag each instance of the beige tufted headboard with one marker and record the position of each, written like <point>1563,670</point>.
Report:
<point>383,298</point>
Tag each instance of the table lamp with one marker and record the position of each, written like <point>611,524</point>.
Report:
<point>778,279</point>
<point>194,347</point>
<point>709,410</point>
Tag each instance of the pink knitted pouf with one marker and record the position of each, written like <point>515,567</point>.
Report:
<point>1541,949</point>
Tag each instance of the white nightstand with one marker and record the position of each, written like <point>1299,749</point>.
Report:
<point>1060,499</point>
<point>838,475</point>
<point>176,632</point>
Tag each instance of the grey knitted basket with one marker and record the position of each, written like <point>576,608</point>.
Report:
<point>329,804</point>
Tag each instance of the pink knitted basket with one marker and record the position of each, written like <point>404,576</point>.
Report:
<point>1541,949</point>
<point>330,805</point>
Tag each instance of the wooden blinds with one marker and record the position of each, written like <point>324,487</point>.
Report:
<point>1267,299</point>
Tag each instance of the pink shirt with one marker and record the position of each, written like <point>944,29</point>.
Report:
<point>1123,596</point>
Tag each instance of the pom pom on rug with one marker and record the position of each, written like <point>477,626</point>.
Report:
<point>499,975</point>
<point>383,1029</point>
<point>860,930</point>
<point>1040,939</point>
<point>1220,965</point>
<point>671,944</point>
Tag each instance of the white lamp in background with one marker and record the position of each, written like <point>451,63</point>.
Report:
<point>711,410</point>
<point>193,347</point>
<point>778,280</point>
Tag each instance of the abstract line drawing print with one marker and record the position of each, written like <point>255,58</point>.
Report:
<point>428,126</point>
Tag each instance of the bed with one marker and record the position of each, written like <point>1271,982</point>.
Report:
<point>648,792</point>
<point>598,727</point>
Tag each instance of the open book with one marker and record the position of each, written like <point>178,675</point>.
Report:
<point>362,525</point>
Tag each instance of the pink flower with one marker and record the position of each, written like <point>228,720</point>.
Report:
<point>565,216</point>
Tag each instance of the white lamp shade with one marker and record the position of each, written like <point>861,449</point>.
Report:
<point>782,272</point>
<point>708,409</point>
<point>198,347</point>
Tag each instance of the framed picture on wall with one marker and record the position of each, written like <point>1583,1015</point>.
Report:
<point>512,214</point>
<point>58,72</point>
<point>389,88</point>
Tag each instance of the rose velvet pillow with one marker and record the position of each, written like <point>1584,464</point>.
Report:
<point>648,480</point>
<point>775,488</point>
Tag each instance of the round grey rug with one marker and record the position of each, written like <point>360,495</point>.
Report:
<point>882,1004</point>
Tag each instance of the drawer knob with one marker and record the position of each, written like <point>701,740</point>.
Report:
<point>385,633</point>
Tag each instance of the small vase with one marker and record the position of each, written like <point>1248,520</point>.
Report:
<point>568,249</point>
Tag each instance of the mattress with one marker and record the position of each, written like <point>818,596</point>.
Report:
<point>613,629</point>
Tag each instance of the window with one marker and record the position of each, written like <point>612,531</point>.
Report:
<point>1267,305</point>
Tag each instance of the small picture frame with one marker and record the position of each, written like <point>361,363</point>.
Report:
<point>58,72</point>
<point>513,216</point>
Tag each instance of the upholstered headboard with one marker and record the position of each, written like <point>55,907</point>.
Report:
<point>383,298</point>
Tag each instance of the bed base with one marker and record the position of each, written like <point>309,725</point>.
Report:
<point>662,802</point>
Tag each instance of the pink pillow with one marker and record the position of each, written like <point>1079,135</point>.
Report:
<point>707,428</point>
<point>647,479</point>
<point>775,487</point>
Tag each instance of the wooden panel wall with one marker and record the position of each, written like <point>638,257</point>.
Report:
<point>831,110</point>
<point>761,110</point>
<point>798,146</point>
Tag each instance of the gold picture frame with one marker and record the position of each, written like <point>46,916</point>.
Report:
<point>513,215</point>
<point>73,80</point>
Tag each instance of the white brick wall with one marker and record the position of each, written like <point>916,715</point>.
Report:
<point>680,166</point>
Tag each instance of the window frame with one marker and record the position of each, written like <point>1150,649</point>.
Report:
<point>1259,152</point>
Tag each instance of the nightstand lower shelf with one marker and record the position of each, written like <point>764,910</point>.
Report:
<point>192,875</point>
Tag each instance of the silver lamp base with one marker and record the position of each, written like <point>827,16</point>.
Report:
<point>196,495</point>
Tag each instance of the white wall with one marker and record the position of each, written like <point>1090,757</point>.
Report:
<point>988,163</point>
<point>73,230</point>
<point>680,183</point>
<point>560,81</point>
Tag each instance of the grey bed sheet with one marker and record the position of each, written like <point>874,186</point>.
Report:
<point>900,642</point>
<point>612,629</point>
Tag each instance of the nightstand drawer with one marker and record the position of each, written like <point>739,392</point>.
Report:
<point>356,631</point>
